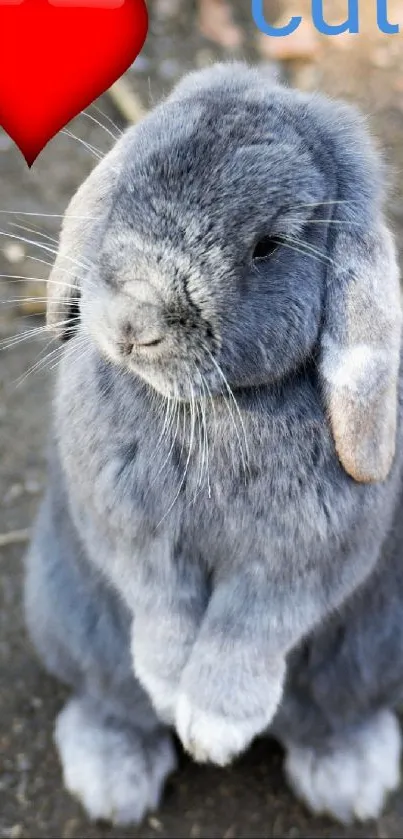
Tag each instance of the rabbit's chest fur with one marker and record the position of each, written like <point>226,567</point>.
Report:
<point>263,481</point>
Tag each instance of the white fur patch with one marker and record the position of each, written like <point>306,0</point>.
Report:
<point>115,776</point>
<point>214,739</point>
<point>353,777</point>
<point>350,366</point>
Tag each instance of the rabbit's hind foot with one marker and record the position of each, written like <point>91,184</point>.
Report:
<point>349,776</point>
<point>117,773</point>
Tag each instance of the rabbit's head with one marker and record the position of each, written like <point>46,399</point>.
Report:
<point>234,236</point>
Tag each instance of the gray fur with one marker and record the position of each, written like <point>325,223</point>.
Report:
<point>222,550</point>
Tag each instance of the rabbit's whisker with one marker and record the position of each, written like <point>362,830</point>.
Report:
<point>313,249</point>
<point>292,244</point>
<point>56,357</point>
<point>175,415</point>
<point>105,116</point>
<point>92,150</point>
<point>97,122</point>
<point>201,444</point>
<point>15,300</point>
<point>39,365</point>
<point>195,405</point>
<point>35,299</point>
<point>24,336</point>
<point>164,427</point>
<point>55,311</point>
<point>192,430</point>
<point>204,416</point>
<point>231,394</point>
<point>66,271</point>
<point>229,409</point>
<point>170,415</point>
<point>82,344</point>
<point>207,386</point>
<point>62,271</point>
<point>326,221</point>
<point>202,441</point>
<point>321,204</point>
<point>44,247</point>
<point>21,279</point>
<point>35,242</point>
<point>33,369</point>
<point>52,239</point>
<point>30,335</point>
<point>47,215</point>
<point>43,363</point>
<point>193,414</point>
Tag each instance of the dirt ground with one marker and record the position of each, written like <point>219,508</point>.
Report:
<point>250,799</point>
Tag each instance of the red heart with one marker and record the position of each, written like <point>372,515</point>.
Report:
<point>57,56</point>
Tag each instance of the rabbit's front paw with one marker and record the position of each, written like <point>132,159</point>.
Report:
<point>220,712</point>
<point>212,738</point>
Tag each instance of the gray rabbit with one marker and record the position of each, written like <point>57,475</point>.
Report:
<point>219,548</point>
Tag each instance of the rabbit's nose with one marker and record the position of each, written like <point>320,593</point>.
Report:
<point>142,330</point>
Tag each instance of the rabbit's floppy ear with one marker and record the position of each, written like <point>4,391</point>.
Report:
<point>82,225</point>
<point>360,350</point>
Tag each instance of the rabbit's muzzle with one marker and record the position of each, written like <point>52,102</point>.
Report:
<point>144,329</point>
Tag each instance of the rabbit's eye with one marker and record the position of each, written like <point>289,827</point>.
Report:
<point>265,248</point>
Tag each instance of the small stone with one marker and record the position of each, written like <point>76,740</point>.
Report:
<point>14,252</point>
<point>14,492</point>
<point>16,831</point>
<point>155,823</point>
